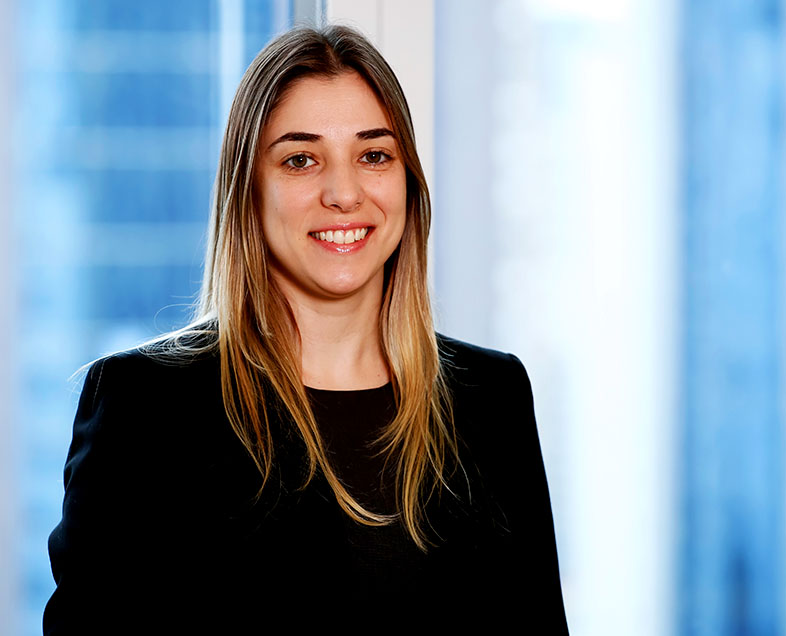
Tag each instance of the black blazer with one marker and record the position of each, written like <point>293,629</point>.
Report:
<point>162,532</point>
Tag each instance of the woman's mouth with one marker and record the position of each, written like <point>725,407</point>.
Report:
<point>341,237</point>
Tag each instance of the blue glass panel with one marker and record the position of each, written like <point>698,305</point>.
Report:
<point>132,293</point>
<point>731,551</point>
<point>141,99</point>
<point>257,16</point>
<point>148,196</point>
<point>140,15</point>
<point>258,27</point>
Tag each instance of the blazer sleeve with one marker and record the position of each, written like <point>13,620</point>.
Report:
<point>109,555</point>
<point>514,572</point>
<point>543,588</point>
<point>81,549</point>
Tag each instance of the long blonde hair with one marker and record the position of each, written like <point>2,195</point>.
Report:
<point>255,331</point>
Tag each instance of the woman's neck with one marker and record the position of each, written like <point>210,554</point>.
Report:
<point>340,344</point>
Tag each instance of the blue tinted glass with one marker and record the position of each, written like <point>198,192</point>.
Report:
<point>259,29</point>
<point>141,99</point>
<point>731,550</point>
<point>257,15</point>
<point>138,293</point>
<point>149,196</point>
<point>139,15</point>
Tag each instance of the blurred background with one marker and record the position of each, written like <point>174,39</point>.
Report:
<point>608,186</point>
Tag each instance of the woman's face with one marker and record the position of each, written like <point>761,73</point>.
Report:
<point>333,189</point>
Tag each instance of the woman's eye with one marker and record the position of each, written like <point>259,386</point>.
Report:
<point>299,161</point>
<point>375,157</point>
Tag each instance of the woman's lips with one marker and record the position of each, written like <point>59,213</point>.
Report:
<point>341,237</point>
<point>342,241</point>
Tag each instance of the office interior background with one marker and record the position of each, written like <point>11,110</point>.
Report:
<point>608,187</point>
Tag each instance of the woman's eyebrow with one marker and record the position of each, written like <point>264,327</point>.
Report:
<point>296,136</point>
<point>373,133</point>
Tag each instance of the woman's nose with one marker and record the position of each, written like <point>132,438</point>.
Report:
<point>342,189</point>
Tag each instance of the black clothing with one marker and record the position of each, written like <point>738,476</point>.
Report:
<point>382,560</point>
<point>162,531</point>
<point>350,422</point>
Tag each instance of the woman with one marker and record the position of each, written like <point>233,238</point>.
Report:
<point>308,444</point>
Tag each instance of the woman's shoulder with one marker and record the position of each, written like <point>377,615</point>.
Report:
<point>149,406</point>
<point>491,397</point>
<point>470,365</point>
<point>177,370</point>
<point>451,348</point>
<point>174,354</point>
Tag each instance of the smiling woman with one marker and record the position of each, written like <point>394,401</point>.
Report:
<point>331,185</point>
<point>309,442</point>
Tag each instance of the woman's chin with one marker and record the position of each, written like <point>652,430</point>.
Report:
<point>346,289</point>
<point>349,284</point>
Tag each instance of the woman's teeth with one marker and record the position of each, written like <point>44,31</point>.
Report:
<point>340,236</point>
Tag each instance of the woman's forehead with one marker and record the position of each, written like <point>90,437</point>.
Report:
<point>340,105</point>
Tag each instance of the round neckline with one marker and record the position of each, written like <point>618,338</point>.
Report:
<point>311,389</point>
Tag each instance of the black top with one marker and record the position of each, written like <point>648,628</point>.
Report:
<point>350,422</point>
<point>382,559</point>
<point>163,532</point>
